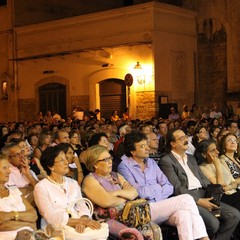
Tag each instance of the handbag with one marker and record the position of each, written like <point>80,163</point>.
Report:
<point>215,191</point>
<point>40,235</point>
<point>135,213</point>
<point>104,214</point>
<point>74,207</point>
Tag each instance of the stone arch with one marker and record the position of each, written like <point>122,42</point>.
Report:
<point>96,78</point>
<point>53,79</point>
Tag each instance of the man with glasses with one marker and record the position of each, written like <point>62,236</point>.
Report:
<point>21,175</point>
<point>144,174</point>
<point>186,177</point>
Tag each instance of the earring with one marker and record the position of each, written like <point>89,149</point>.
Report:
<point>53,169</point>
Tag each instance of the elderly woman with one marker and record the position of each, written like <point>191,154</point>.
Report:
<point>217,172</point>
<point>112,189</point>
<point>15,212</point>
<point>56,194</point>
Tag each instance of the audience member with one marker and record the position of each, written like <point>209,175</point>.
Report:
<point>114,116</point>
<point>118,149</point>
<point>21,176</point>
<point>153,143</point>
<point>16,213</point>
<point>55,197</point>
<point>213,132</point>
<point>162,132</point>
<point>44,141</point>
<point>112,189</point>
<point>185,175</point>
<point>232,127</point>
<point>144,174</point>
<point>173,115</point>
<point>184,112</point>
<point>228,150</point>
<point>200,134</point>
<point>61,136</point>
<point>217,172</point>
<point>215,113</point>
<point>126,114</point>
<point>75,141</point>
<point>75,169</point>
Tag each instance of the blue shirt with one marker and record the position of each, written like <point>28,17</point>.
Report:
<point>151,184</point>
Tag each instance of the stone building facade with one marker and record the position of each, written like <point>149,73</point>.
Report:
<point>188,51</point>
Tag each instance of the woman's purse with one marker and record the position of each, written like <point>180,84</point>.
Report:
<point>75,206</point>
<point>40,235</point>
<point>215,191</point>
<point>135,213</point>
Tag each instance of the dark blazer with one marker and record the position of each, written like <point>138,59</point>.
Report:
<point>178,178</point>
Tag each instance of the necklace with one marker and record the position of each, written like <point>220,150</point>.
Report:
<point>61,185</point>
<point>233,160</point>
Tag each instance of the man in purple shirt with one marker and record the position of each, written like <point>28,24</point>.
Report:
<point>145,175</point>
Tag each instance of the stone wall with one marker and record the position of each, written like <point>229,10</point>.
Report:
<point>80,101</point>
<point>145,105</point>
<point>212,59</point>
<point>27,109</point>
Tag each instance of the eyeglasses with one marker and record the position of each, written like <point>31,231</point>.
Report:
<point>107,159</point>
<point>17,155</point>
<point>182,138</point>
<point>202,131</point>
<point>76,137</point>
<point>61,160</point>
<point>232,140</point>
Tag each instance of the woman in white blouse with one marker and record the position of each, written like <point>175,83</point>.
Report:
<point>15,212</point>
<point>55,197</point>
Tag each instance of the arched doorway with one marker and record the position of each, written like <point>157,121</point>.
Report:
<point>52,97</point>
<point>112,97</point>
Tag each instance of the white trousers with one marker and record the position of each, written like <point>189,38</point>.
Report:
<point>180,211</point>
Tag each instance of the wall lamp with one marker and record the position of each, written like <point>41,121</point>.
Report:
<point>139,74</point>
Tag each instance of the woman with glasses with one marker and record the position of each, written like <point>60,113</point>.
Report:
<point>112,189</point>
<point>228,149</point>
<point>56,194</point>
<point>217,171</point>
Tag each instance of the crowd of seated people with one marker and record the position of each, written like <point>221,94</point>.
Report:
<point>169,162</point>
